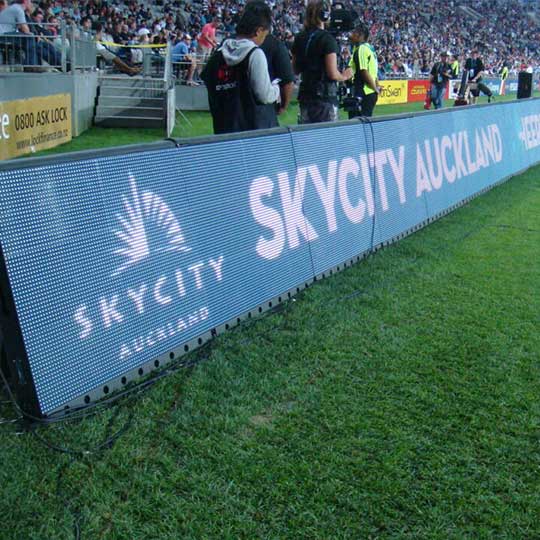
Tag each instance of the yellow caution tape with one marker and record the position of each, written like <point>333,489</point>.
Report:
<point>151,46</point>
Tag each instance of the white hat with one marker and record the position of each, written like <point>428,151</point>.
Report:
<point>143,32</point>
<point>187,36</point>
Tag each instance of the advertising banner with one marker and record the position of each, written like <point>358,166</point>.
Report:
<point>417,90</point>
<point>493,84</point>
<point>392,92</point>
<point>116,260</point>
<point>31,125</point>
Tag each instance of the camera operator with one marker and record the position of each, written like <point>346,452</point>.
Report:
<point>314,56</point>
<point>365,69</point>
<point>475,69</point>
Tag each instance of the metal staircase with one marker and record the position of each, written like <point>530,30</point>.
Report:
<point>131,102</point>
<point>144,101</point>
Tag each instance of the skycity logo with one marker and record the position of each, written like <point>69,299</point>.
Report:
<point>144,209</point>
<point>158,306</point>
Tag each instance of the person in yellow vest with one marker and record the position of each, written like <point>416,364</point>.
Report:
<point>454,64</point>
<point>504,76</point>
<point>365,67</point>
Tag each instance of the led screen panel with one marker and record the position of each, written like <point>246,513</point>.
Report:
<point>114,260</point>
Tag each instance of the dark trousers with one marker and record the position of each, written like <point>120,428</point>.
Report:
<point>482,88</point>
<point>313,112</point>
<point>367,106</point>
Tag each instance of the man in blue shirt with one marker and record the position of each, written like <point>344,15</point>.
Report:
<point>182,57</point>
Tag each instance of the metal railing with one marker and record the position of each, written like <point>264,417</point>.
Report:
<point>45,48</point>
<point>182,68</point>
<point>82,49</point>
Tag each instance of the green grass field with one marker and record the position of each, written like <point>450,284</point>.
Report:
<point>398,399</point>
<point>199,123</point>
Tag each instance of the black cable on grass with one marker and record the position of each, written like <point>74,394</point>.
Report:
<point>96,407</point>
<point>106,444</point>
<point>289,129</point>
<point>367,121</point>
<point>66,500</point>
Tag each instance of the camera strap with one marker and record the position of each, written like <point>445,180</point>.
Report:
<point>312,34</point>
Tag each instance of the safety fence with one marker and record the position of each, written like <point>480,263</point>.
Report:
<point>117,262</point>
<point>53,47</point>
<point>44,48</point>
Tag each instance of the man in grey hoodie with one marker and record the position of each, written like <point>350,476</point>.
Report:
<point>237,76</point>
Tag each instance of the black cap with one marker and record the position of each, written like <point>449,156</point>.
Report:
<point>361,28</point>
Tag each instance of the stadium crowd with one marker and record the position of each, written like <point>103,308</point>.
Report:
<point>407,35</point>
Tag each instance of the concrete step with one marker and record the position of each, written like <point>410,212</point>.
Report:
<point>131,112</point>
<point>126,91</point>
<point>131,101</point>
<point>128,122</point>
<point>132,82</point>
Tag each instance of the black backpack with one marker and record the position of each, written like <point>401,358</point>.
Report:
<point>232,103</point>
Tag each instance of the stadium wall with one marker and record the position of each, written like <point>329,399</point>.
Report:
<point>82,87</point>
<point>116,262</point>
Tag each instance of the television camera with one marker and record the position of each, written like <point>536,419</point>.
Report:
<point>343,21</point>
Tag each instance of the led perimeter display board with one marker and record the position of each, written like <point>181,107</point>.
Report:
<point>114,261</point>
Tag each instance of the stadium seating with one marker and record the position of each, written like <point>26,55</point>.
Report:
<point>408,37</point>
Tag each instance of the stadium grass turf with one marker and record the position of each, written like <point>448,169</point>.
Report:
<point>397,399</point>
<point>199,123</point>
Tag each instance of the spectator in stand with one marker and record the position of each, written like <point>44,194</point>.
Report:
<point>38,28</point>
<point>86,26</point>
<point>441,73</point>
<point>54,24</point>
<point>181,53</point>
<point>413,30</point>
<point>207,40</point>
<point>137,53</point>
<point>109,56</point>
<point>13,25</point>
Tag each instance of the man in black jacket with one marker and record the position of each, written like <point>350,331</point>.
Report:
<point>279,67</point>
<point>475,70</point>
<point>237,79</point>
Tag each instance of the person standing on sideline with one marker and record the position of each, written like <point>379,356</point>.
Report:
<point>365,68</point>
<point>279,69</point>
<point>475,69</point>
<point>441,73</point>
<point>454,64</point>
<point>314,57</point>
<point>237,79</point>
<point>280,72</point>
<point>504,75</point>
